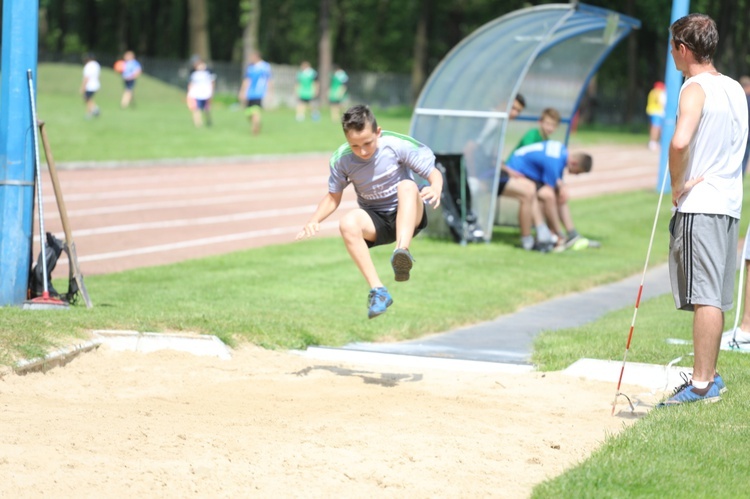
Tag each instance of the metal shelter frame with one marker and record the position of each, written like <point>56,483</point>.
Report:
<point>548,53</point>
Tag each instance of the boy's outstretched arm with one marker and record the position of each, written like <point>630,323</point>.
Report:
<point>432,192</point>
<point>327,205</point>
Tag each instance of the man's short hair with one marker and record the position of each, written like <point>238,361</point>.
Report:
<point>357,117</point>
<point>585,162</point>
<point>698,33</point>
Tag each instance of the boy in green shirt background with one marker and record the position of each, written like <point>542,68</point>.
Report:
<point>337,92</point>
<point>306,89</point>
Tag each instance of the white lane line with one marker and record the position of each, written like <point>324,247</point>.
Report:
<point>185,191</point>
<point>190,222</point>
<point>206,241</point>
<point>187,203</point>
<point>240,173</point>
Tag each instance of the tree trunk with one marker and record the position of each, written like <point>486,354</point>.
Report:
<point>122,32</point>
<point>250,31</point>
<point>43,29</point>
<point>632,48</point>
<point>743,42</point>
<point>420,50</point>
<point>198,29</point>
<point>325,51</point>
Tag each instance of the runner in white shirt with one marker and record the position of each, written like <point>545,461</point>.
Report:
<point>90,84</point>
<point>201,89</point>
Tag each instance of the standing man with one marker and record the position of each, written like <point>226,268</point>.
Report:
<point>131,70</point>
<point>256,83</point>
<point>90,84</point>
<point>705,157</point>
<point>381,166</point>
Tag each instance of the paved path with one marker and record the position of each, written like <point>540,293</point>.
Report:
<point>508,339</point>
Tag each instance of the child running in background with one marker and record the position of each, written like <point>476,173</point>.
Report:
<point>337,92</point>
<point>201,89</point>
<point>307,91</point>
<point>131,71</point>
<point>381,165</point>
<point>91,85</point>
<point>255,84</point>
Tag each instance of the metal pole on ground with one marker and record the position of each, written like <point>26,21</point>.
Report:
<point>19,53</point>
<point>672,82</point>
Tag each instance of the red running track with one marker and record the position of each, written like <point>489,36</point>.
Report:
<point>125,217</point>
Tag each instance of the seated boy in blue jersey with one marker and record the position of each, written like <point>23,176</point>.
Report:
<point>381,165</point>
<point>544,164</point>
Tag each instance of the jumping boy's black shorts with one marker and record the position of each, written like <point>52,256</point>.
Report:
<point>385,226</point>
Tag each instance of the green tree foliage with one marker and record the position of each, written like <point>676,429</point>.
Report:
<point>367,35</point>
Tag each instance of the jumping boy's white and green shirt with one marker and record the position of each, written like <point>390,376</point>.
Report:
<point>376,180</point>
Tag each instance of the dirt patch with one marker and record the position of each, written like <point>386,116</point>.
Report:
<point>263,423</point>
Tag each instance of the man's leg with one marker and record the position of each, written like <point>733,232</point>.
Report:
<point>745,324</point>
<point>356,227</point>
<point>564,210</point>
<point>708,323</point>
<point>256,121</point>
<point>524,190</point>
<point>548,200</point>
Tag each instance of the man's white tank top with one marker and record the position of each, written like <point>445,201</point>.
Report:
<point>717,148</point>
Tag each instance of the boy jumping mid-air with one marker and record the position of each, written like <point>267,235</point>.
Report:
<point>381,165</point>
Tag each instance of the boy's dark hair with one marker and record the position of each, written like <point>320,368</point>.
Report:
<point>698,33</point>
<point>357,117</point>
<point>521,100</point>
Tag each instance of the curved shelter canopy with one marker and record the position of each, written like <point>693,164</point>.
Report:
<point>546,53</point>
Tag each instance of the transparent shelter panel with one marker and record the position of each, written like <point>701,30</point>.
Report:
<point>547,53</point>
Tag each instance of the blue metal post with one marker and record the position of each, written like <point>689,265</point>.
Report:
<point>672,82</point>
<point>19,54</point>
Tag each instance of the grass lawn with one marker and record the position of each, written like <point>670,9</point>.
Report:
<point>662,454</point>
<point>310,293</point>
<point>160,124</point>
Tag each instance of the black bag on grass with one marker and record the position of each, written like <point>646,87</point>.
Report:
<point>456,198</point>
<point>53,249</point>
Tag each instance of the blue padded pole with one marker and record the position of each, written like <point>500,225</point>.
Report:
<point>672,82</point>
<point>19,54</point>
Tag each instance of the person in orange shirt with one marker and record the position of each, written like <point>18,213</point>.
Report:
<point>655,103</point>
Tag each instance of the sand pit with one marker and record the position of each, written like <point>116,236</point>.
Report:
<point>266,423</point>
